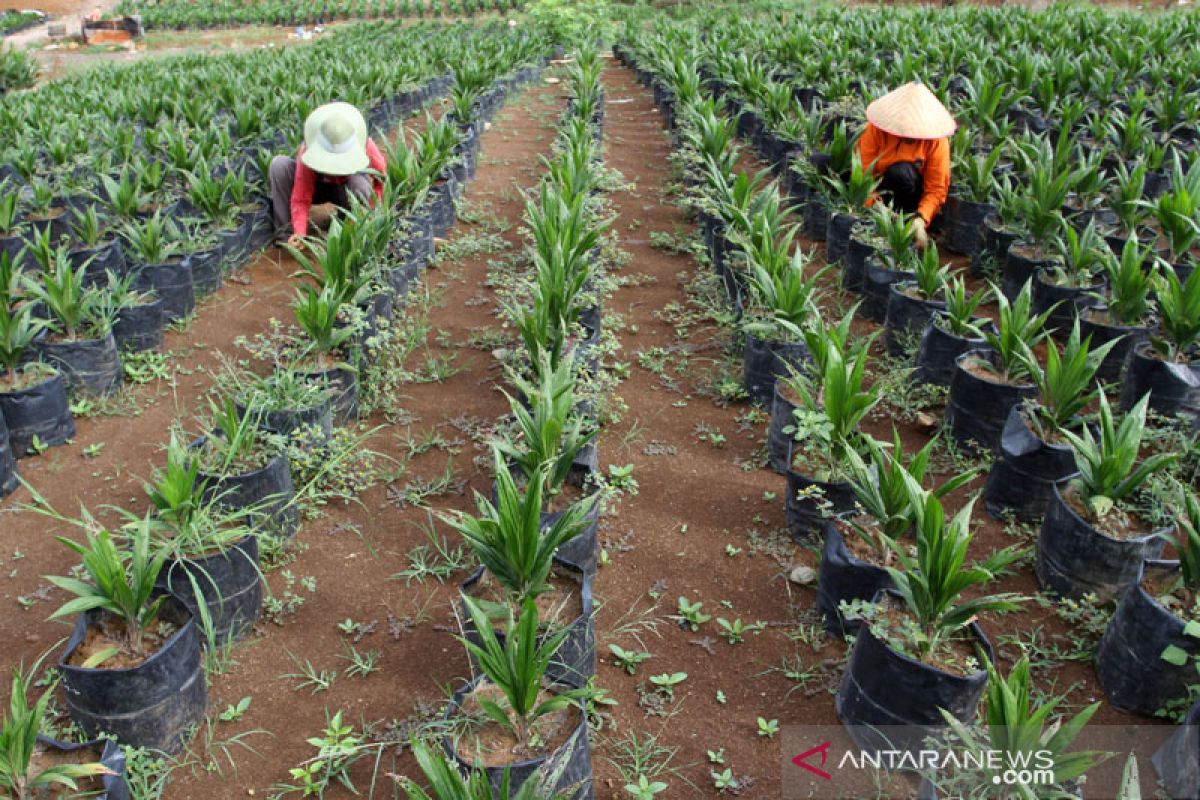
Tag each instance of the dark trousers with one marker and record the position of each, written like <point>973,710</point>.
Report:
<point>902,186</point>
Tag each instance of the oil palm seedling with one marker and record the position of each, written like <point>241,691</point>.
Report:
<point>20,742</point>
<point>10,211</point>
<point>87,227</point>
<point>1177,213</point>
<point>123,197</point>
<point>1093,539</point>
<point>214,548</point>
<point>154,240</point>
<point>18,331</point>
<point>911,304</point>
<point>1033,457</point>
<point>1080,256</point>
<point>33,394</point>
<point>75,311</point>
<point>1018,727</point>
<point>855,550</point>
<point>1018,331</point>
<point>508,537</point>
<point>1124,313</point>
<point>880,482</point>
<point>176,491</point>
<point>1108,462</point>
<point>1127,196</point>
<point>919,639</point>
<point>317,314</point>
<point>235,443</point>
<point>851,193</point>
<point>930,584</point>
<point>209,195</point>
<point>785,296</point>
<point>447,782</point>
<point>1179,310</point>
<point>988,382</point>
<point>824,427</point>
<point>147,632</point>
<point>120,583</point>
<point>512,696</point>
<point>517,667</point>
<point>1129,279</point>
<point>552,431</point>
<point>1066,385</point>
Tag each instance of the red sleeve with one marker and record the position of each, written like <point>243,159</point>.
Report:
<point>302,195</point>
<point>378,163</point>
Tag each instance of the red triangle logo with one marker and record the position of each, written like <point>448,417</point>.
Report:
<point>802,760</point>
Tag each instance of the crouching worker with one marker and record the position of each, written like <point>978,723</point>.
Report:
<point>332,165</point>
<point>907,139</point>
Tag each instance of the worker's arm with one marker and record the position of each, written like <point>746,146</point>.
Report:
<point>377,162</point>
<point>937,181</point>
<point>302,195</point>
<point>870,146</point>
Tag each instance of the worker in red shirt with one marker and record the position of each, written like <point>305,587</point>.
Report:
<point>332,165</point>
<point>907,142</point>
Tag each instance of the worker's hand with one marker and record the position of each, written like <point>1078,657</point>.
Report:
<point>920,237</point>
<point>295,240</point>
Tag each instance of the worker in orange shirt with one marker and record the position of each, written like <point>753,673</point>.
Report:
<point>907,142</point>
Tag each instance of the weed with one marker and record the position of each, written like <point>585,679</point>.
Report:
<point>628,660</point>
<point>435,559</point>
<point>644,755</point>
<point>146,366</point>
<point>735,632</point>
<point>724,780</point>
<point>309,677</point>
<point>277,608</point>
<point>211,754</point>
<point>235,712</point>
<point>621,478</point>
<point>707,434</point>
<point>768,727</point>
<point>690,614</point>
<point>361,664</point>
<point>338,749</point>
<point>667,681</point>
<point>417,491</point>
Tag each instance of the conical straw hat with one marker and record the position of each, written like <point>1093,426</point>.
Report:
<point>913,112</point>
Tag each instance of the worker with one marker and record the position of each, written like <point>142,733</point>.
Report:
<point>907,143</point>
<point>332,165</point>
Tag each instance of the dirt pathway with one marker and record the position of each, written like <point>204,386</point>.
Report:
<point>354,552</point>
<point>705,524</point>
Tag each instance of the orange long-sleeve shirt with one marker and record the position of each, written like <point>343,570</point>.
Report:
<point>932,157</point>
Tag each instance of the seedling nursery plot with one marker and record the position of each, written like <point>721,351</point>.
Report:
<point>186,14</point>
<point>626,437</point>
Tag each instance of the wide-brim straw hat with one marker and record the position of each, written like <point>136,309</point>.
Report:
<point>335,140</point>
<point>913,112</point>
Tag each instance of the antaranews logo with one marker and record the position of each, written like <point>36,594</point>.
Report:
<point>1031,767</point>
<point>832,764</point>
<point>823,750</point>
